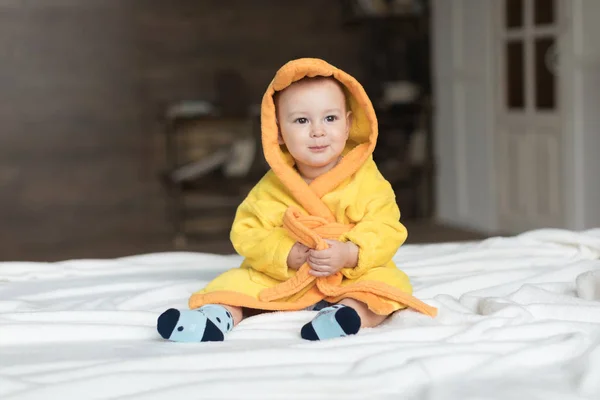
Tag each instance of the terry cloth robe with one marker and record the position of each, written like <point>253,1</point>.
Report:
<point>351,202</point>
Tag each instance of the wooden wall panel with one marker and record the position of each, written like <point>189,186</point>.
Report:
<point>82,84</point>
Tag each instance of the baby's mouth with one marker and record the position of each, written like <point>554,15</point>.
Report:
<point>317,148</point>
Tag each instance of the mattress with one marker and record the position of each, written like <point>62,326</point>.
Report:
<point>519,318</point>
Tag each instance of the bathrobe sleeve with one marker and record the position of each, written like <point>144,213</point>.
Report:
<point>258,235</point>
<point>379,233</point>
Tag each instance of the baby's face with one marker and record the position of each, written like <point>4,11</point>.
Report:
<point>313,122</point>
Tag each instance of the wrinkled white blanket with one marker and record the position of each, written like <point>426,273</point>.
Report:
<point>519,319</point>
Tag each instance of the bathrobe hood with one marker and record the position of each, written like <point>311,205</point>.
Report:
<point>359,147</point>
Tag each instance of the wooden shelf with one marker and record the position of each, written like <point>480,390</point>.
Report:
<point>202,199</point>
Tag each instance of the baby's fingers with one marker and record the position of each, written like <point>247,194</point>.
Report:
<point>317,260</point>
<point>320,253</point>
<point>318,273</point>
<point>318,266</point>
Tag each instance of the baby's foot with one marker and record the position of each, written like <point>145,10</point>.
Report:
<point>335,321</point>
<point>208,323</point>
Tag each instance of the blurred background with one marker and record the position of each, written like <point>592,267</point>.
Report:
<point>129,127</point>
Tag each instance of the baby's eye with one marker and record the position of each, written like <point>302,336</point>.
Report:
<point>331,118</point>
<point>301,120</point>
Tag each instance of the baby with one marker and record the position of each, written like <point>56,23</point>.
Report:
<point>319,231</point>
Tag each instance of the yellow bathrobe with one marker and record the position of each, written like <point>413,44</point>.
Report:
<point>352,202</point>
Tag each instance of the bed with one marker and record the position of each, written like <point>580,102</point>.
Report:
<point>519,318</point>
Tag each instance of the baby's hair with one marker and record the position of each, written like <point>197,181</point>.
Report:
<point>315,79</point>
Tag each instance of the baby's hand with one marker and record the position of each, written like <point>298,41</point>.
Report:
<point>297,256</point>
<point>329,261</point>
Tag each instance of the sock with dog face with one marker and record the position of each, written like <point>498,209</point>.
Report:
<point>208,323</point>
<point>334,321</point>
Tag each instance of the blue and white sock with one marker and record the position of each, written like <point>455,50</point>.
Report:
<point>331,322</point>
<point>208,323</point>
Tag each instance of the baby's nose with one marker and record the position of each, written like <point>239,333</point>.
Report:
<point>317,131</point>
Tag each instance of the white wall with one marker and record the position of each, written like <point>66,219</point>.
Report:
<point>464,100</point>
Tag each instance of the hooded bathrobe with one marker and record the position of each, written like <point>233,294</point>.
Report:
<point>352,202</point>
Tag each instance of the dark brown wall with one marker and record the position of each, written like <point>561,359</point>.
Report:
<point>182,43</point>
<point>81,85</point>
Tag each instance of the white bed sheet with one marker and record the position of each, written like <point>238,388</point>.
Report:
<point>519,318</point>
